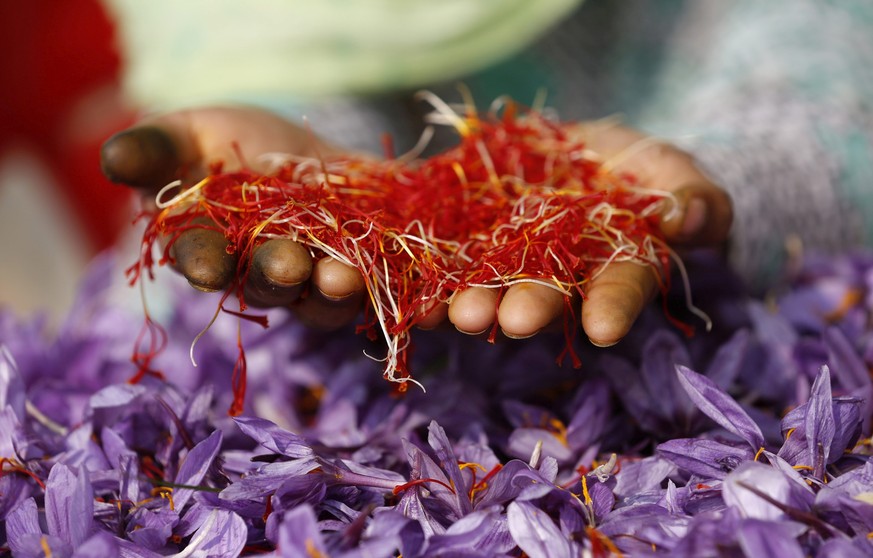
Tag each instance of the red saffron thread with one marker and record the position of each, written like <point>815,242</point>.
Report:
<point>517,200</point>
<point>407,485</point>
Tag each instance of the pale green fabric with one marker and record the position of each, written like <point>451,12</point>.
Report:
<point>195,51</point>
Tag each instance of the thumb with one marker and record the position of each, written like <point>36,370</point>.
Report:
<point>702,213</point>
<point>144,157</point>
<point>183,144</point>
<point>702,216</point>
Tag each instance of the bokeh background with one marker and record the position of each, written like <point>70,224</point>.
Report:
<point>60,98</point>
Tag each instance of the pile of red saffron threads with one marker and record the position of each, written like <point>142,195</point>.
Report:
<point>519,199</point>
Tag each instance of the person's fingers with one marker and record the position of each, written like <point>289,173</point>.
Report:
<point>703,218</point>
<point>144,157</point>
<point>432,315</point>
<point>320,312</point>
<point>184,144</point>
<point>614,300</point>
<point>277,273</point>
<point>336,280</point>
<point>473,310</point>
<point>336,296</point>
<point>201,255</point>
<point>526,308</point>
<point>703,212</point>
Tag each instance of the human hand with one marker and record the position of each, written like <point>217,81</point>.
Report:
<point>615,298</point>
<point>182,145</point>
<point>158,150</point>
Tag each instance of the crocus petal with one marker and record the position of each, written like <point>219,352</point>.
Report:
<point>768,538</point>
<point>638,527</point>
<point>127,549</point>
<point>267,479</point>
<point>438,440</point>
<point>299,536</point>
<point>274,438</point>
<point>69,505</point>
<point>846,413</point>
<point>842,548</point>
<point>820,426</point>
<point>13,490</point>
<point>641,476</point>
<point>101,544</point>
<point>117,395</point>
<point>593,411</point>
<point>22,523</point>
<point>705,458</point>
<point>11,385</point>
<point>222,534</point>
<point>411,506</point>
<point>536,534</point>
<point>662,353</point>
<point>848,367</point>
<point>384,534</point>
<point>484,532</point>
<point>513,480</point>
<point>10,428</point>
<point>195,466</point>
<point>849,497</point>
<point>744,488</point>
<point>114,446</point>
<point>725,366</point>
<point>602,498</point>
<point>439,484</point>
<point>522,442</point>
<point>720,407</point>
<point>152,528</point>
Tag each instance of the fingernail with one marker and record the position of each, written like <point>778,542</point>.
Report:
<point>602,345</point>
<point>695,217</point>
<point>334,298</point>
<point>472,332</point>
<point>139,157</point>
<point>203,288</point>
<point>517,336</point>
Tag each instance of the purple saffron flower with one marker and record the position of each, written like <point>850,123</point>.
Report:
<point>11,385</point>
<point>820,431</point>
<point>537,426</point>
<point>720,407</point>
<point>222,533</point>
<point>770,538</point>
<point>707,459</point>
<point>652,394</point>
<point>152,528</point>
<point>640,477</point>
<point>69,515</point>
<point>299,536</point>
<point>727,363</point>
<point>851,373</point>
<point>536,534</point>
<point>194,468</point>
<point>763,492</point>
<point>859,547</point>
<point>847,501</point>
<point>481,533</point>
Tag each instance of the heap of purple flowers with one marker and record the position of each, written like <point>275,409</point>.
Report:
<point>749,440</point>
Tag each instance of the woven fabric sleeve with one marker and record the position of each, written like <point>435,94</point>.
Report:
<point>778,108</point>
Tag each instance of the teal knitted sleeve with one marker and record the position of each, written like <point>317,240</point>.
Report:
<point>776,103</point>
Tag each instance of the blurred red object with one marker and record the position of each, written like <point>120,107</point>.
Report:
<point>60,99</point>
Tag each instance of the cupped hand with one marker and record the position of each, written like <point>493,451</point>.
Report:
<point>616,296</point>
<point>183,145</point>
